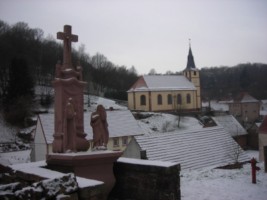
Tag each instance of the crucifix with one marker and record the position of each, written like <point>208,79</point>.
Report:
<point>67,38</point>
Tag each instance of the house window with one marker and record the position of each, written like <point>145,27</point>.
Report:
<point>124,141</point>
<point>143,100</point>
<point>169,99</point>
<point>159,99</point>
<point>116,142</point>
<point>179,99</point>
<point>188,98</point>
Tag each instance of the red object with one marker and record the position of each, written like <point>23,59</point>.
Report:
<point>254,168</point>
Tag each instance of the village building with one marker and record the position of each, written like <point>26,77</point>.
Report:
<point>245,108</point>
<point>167,92</point>
<point>253,135</point>
<point>263,141</point>
<point>121,125</point>
<point>193,149</point>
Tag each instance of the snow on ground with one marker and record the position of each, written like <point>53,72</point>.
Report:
<point>222,184</point>
<point>107,103</point>
<point>38,168</point>
<point>216,105</point>
<point>15,157</point>
<point>161,122</point>
<point>202,184</point>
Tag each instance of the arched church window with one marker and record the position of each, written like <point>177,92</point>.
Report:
<point>169,99</point>
<point>188,98</point>
<point>159,99</point>
<point>179,99</point>
<point>143,100</point>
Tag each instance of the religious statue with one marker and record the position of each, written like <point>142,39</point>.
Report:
<point>100,128</point>
<point>70,126</point>
<point>69,135</point>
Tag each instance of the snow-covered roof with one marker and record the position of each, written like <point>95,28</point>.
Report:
<point>208,147</point>
<point>230,124</point>
<point>162,83</point>
<point>120,123</point>
<point>244,97</point>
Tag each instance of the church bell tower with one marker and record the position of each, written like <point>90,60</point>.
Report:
<point>192,74</point>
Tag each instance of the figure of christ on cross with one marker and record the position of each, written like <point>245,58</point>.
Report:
<point>67,38</point>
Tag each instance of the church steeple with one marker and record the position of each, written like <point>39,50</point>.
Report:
<point>192,74</point>
<point>190,58</point>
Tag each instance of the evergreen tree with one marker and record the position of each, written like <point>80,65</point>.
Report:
<point>20,93</point>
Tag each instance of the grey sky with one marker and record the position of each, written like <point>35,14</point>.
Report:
<point>154,33</point>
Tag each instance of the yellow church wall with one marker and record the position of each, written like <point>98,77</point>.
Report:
<point>164,105</point>
<point>194,104</point>
<point>138,101</point>
<point>195,101</point>
<point>130,101</point>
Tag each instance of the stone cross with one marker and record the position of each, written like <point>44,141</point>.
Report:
<point>67,38</point>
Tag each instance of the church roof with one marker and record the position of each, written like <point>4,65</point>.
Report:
<point>162,83</point>
<point>120,123</point>
<point>207,147</point>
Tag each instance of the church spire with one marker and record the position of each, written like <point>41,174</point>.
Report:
<point>190,58</point>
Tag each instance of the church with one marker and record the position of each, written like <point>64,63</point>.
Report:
<point>168,92</point>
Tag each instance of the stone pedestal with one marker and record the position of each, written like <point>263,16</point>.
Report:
<point>92,165</point>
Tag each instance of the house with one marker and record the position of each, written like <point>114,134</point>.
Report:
<point>245,108</point>
<point>193,149</point>
<point>253,135</point>
<point>121,125</point>
<point>167,92</point>
<point>233,127</point>
<point>263,141</point>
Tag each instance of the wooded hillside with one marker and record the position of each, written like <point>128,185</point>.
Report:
<point>19,41</point>
<point>226,82</point>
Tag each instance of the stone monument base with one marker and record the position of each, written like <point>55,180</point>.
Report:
<point>96,165</point>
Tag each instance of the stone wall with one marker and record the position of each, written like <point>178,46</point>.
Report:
<point>22,185</point>
<point>146,180</point>
<point>135,179</point>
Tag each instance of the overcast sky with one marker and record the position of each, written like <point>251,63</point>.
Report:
<point>150,34</point>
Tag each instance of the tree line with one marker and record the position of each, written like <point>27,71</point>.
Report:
<point>28,59</point>
<point>226,82</point>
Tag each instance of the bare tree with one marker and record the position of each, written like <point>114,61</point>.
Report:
<point>152,72</point>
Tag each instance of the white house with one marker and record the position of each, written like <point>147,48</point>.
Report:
<point>207,147</point>
<point>121,125</point>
